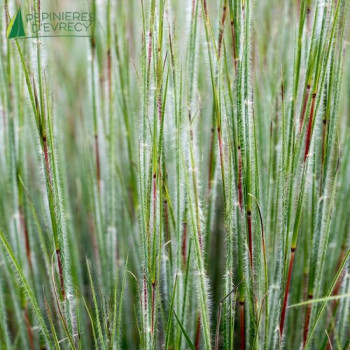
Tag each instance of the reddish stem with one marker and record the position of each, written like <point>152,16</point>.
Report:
<point>308,11</point>
<point>145,293</point>
<point>283,314</point>
<point>60,270</point>
<point>323,138</point>
<point>309,127</point>
<point>47,162</point>
<point>198,333</point>
<point>29,329</point>
<point>153,306</point>
<point>94,241</point>
<point>323,151</point>
<point>234,44</point>
<point>250,238</point>
<point>200,240</point>
<point>159,105</point>
<point>166,221</point>
<point>154,198</point>
<point>184,244</point>
<point>240,177</point>
<point>149,53</point>
<point>307,320</point>
<point>193,7</point>
<point>26,237</point>
<point>223,17</point>
<point>205,6</point>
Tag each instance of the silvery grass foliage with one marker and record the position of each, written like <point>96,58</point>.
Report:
<point>179,180</point>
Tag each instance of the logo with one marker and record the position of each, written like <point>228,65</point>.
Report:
<point>16,29</point>
<point>50,24</point>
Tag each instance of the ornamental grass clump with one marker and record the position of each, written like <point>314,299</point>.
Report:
<point>178,179</point>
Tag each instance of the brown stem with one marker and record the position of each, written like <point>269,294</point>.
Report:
<point>6,7</point>
<point>324,128</point>
<point>94,244</point>
<point>29,329</point>
<point>149,54</point>
<point>284,307</point>
<point>26,237</point>
<point>193,7</point>
<point>233,34</point>
<point>205,6</point>
<point>184,244</point>
<point>109,73</point>
<point>309,127</point>
<point>240,177</point>
<point>153,306</point>
<point>159,105</point>
<point>102,80</point>
<point>250,238</point>
<point>47,161</point>
<point>145,293</point>
<point>37,107</point>
<point>198,333</point>
<point>242,327</point>
<point>60,270</point>
<point>223,17</point>
<point>308,22</point>
<point>339,282</point>
<point>211,156</point>
<point>200,240</point>
<point>323,138</point>
<point>154,198</point>
<point>307,320</point>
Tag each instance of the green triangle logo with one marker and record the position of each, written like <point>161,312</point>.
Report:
<point>16,28</point>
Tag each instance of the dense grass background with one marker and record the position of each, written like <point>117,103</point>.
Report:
<point>179,180</point>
